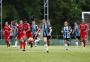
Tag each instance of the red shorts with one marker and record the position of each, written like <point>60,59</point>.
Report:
<point>83,37</point>
<point>21,36</point>
<point>28,34</point>
<point>7,38</point>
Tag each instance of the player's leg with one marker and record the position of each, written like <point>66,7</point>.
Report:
<point>7,42</point>
<point>66,44</point>
<point>84,42</point>
<point>16,43</point>
<point>45,44</point>
<point>20,41</point>
<point>30,41</point>
<point>37,41</point>
<point>77,41</point>
<point>48,40</point>
<point>23,44</point>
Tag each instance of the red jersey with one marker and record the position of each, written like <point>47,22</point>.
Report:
<point>6,30</point>
<point>21,34</point>
<point>27,29</point>
<point>20,28</point>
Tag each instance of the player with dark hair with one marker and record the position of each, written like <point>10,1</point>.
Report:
<point>28,33</point>
<point>21,35</point>
<point>77,32</point>
<point>45,34</point>
<point>34,31</point>
<point>66,34</point>
<point>83,33</point>
<point>6,34</point>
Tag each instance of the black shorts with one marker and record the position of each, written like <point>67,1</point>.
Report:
<point>67,39</point>
<point>78,37</point>
<point>35,36</point>
<point>48,37</point>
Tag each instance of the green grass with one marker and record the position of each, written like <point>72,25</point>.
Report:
<point>37,54</point>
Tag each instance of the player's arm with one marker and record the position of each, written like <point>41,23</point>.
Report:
<point>28,28</point>
<point>70,29</point>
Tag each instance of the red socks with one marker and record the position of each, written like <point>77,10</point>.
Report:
<point>84,43</point>
<point>22,45</point>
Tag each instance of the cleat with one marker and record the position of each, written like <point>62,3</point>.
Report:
<point>47,51</point>
<point>23,50</point>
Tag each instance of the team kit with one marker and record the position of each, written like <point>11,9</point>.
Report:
<point>26,33</point>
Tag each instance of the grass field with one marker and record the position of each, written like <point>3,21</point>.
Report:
<point>37,54</point>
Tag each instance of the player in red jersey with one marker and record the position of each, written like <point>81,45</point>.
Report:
<point>6,34</point>
<point>83,33</point>
<point>28,33</point>
<point>21,35</point>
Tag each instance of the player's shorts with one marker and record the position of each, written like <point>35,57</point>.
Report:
<point>78,37</point>
<point>21,36</point>
<point>7,38</point>
<point>45,35</point>
<point>73,36</point>
<point>28,34</point>
<point>67,39</point>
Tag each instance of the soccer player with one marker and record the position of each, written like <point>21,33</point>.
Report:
<point>38,36</point>
<point>34,31</point>
<point>6,34</point>
<point>77,32</point>
<point>28,33</point>
<point>66,34</point>
<point>21,35</point>
<point>83,33</point>
<point>45,34</point>
<point>15,33</point>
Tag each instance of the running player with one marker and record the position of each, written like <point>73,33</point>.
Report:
<point>15,33</point>
<point>83,33</point>
<point>38,36</point>
<point>34,31</point>
<point>66,34</point>
<point>6,34</point>
<point>28,33</point>
<point>21,35</point>
<point>77,32</point>
<point>45,34</point>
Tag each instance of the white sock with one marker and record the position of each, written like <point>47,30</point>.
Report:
<point>26,43</point>
<point>16,42</point>
<point>66,46</point>
<point>35,42</point>
<point>46,47</point>
<point>77,43</point>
